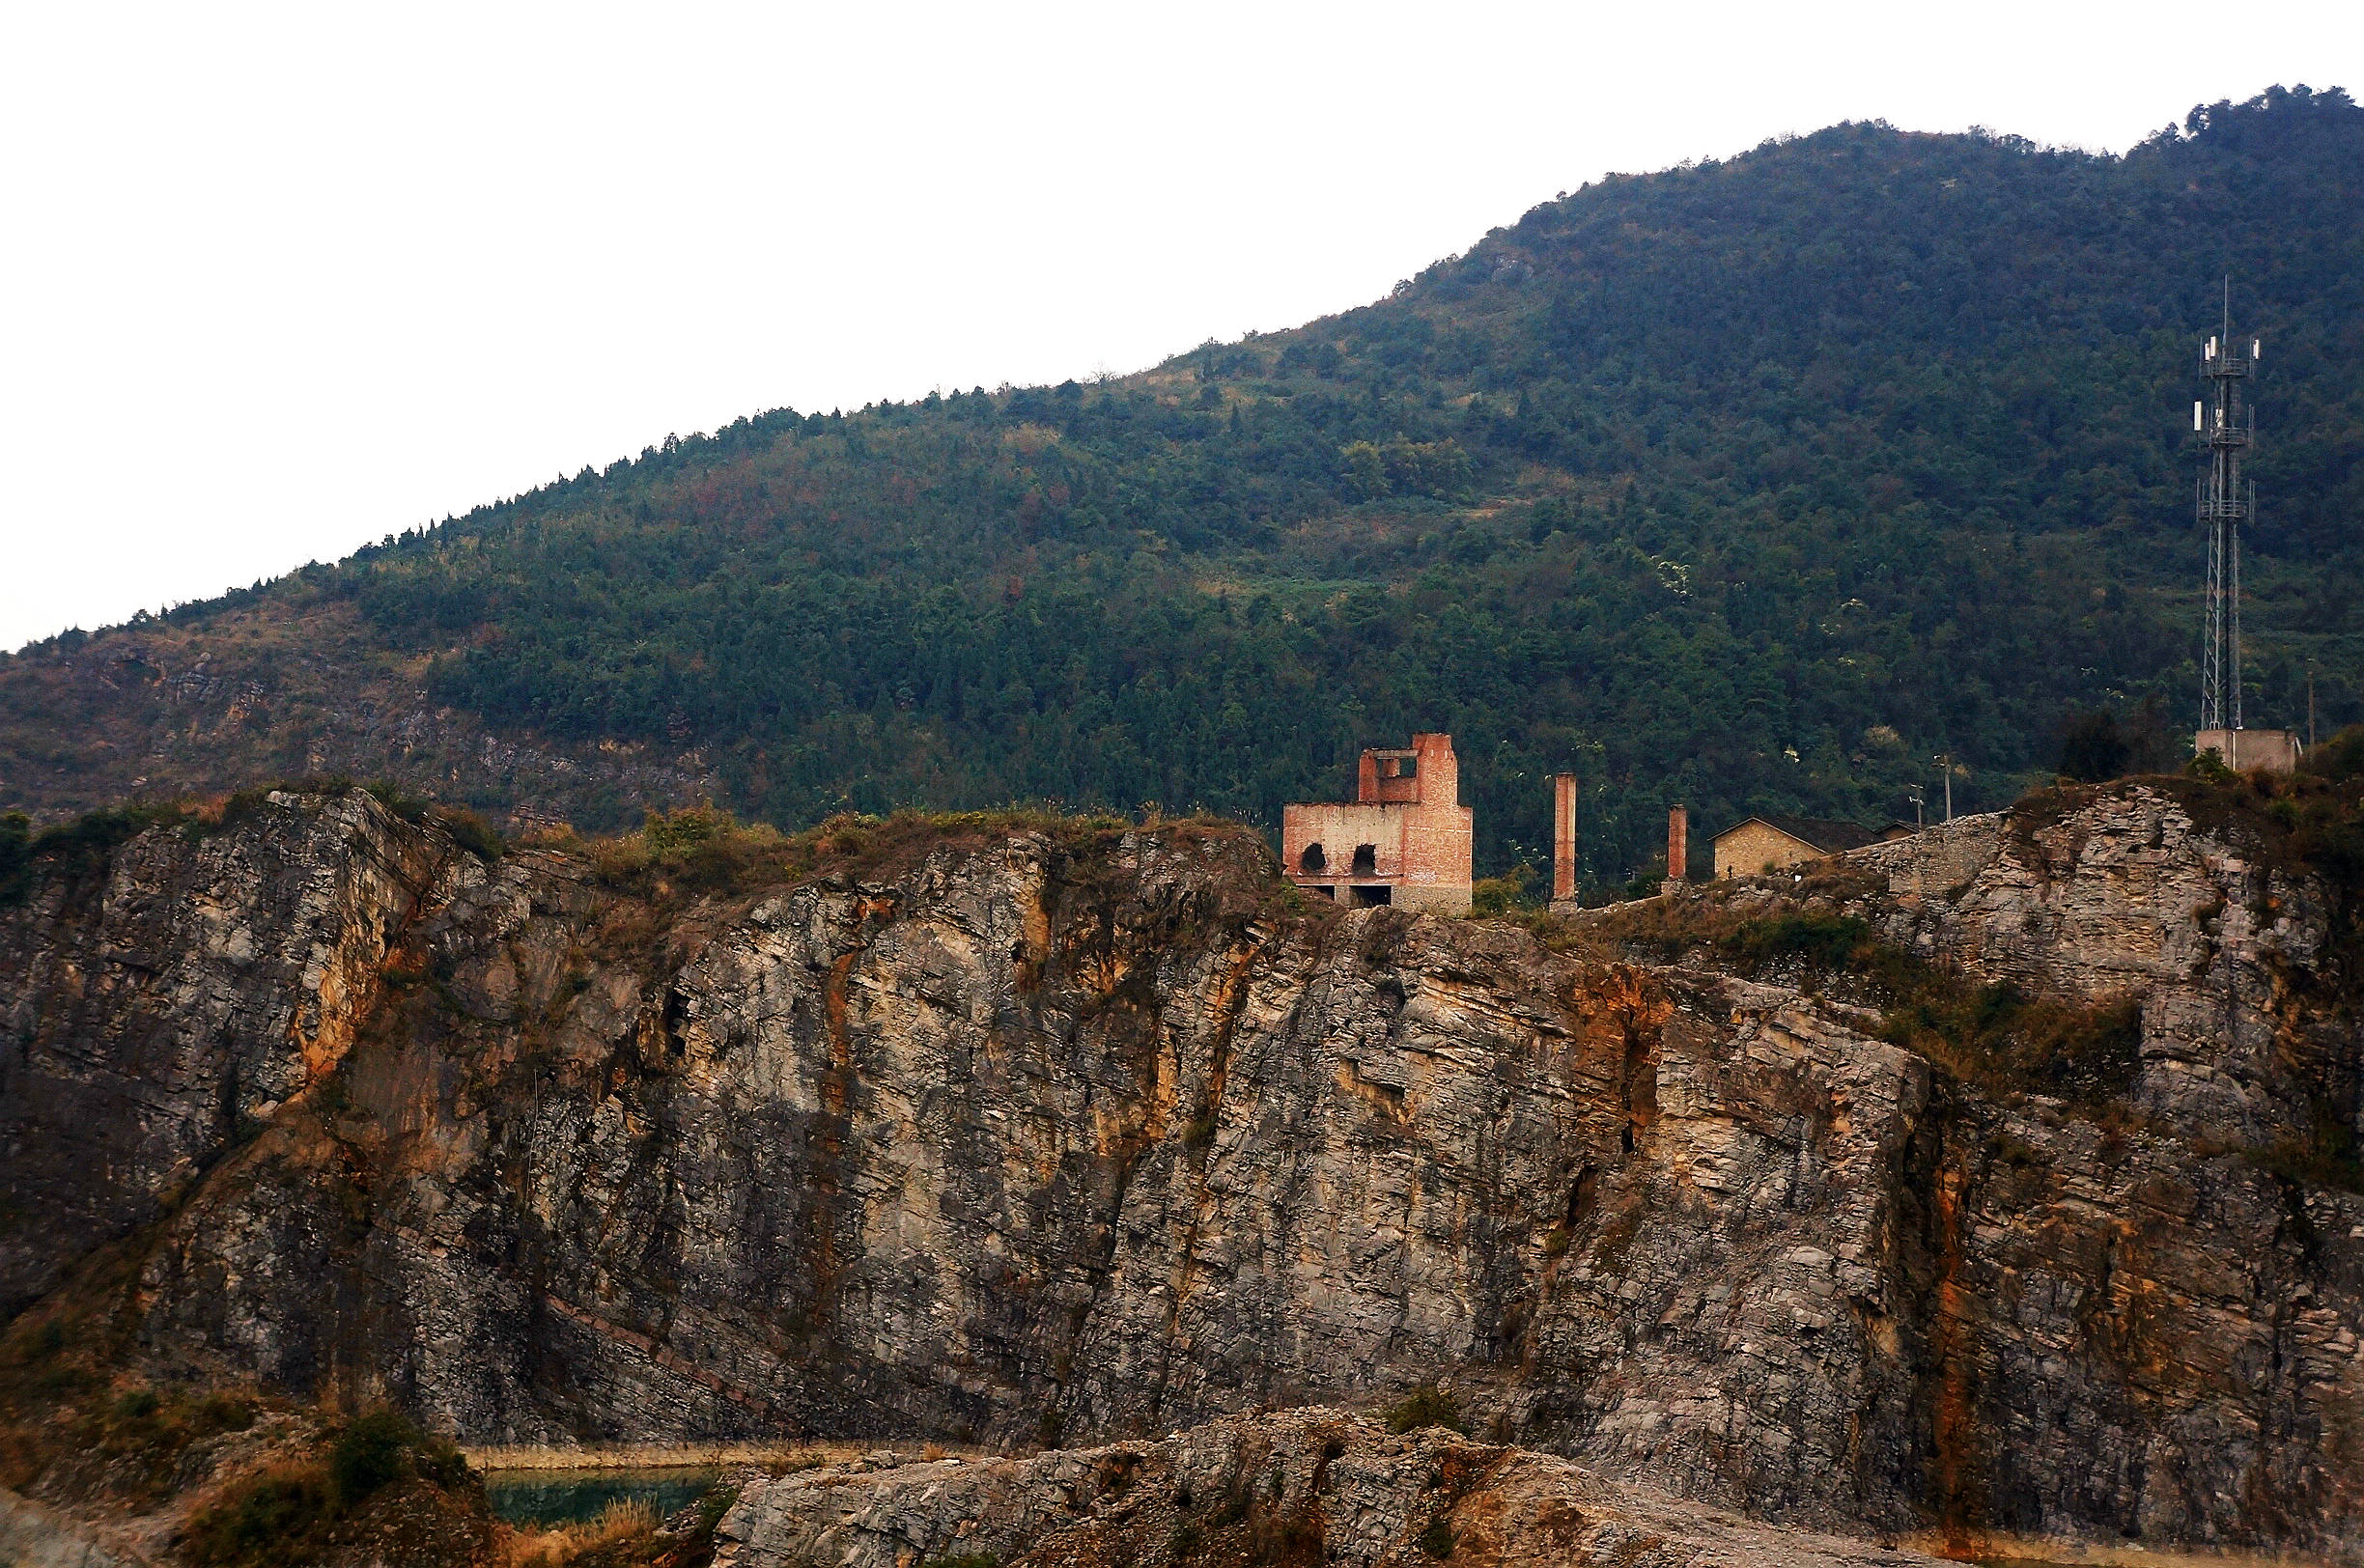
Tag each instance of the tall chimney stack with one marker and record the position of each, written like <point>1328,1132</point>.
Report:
<point>1563,838</point>
<point>1678,846</point>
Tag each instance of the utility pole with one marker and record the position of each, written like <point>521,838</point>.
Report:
<point>1945,764</point>
<point>2310,706</point>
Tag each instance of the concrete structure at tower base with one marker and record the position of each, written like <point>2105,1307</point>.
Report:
<point>2276,752</point>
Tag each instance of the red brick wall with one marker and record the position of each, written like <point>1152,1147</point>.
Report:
<point>1422,832</point>
<point>1564,837</point>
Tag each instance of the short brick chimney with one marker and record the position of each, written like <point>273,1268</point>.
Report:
<point>1563,838</point>
<point>1678,847</point>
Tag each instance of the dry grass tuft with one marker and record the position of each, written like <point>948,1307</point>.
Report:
<point>624,1530</point>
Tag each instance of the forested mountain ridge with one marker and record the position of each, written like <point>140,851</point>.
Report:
<point>1752,484</point>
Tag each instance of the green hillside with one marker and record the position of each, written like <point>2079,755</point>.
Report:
<point>1753,483</point>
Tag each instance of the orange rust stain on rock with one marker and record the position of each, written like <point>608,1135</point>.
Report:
<point>1033,951</point>
<point>1385,1100</point>
<point>835,1083</point>
<point>1479,1528</point>
<point>1102,973</point>
<point>836,1094</point>
<point>1953,1427</point>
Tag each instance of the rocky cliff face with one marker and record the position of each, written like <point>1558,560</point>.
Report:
<point>1094,1134</point>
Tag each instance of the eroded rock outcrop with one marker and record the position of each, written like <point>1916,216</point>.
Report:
<point>1091,1134</point>
<point>2248,1035</point>
<point>1303,1486</point>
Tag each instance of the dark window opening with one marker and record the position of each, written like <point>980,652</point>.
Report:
<point>1324,891</point>
<point>1365,860</point>
<point>1312,859</point>
<point>1365,898</point>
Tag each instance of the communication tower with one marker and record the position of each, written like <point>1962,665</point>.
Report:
<point>2224,426</point>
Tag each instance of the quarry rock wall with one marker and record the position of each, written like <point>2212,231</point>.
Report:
<point>1043,1137</point>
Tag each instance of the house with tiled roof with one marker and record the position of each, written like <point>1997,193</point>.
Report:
<point>1761,845</point>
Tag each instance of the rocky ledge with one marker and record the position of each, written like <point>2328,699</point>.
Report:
<point>1306,1486</point>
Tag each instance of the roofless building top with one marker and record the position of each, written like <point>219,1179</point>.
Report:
<point>1405,838</point>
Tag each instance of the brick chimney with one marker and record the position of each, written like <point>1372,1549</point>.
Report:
<point>1563,838</point>
<point>1678,847</point>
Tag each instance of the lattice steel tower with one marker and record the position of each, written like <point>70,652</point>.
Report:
<point>2223,424</point>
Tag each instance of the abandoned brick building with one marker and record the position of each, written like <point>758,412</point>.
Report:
<point>1761,845</point>
<point>1405,839</point>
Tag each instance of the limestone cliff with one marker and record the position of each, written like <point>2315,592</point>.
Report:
<point>1084,1133</point>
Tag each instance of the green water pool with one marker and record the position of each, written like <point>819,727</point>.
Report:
<point>574,1497</point>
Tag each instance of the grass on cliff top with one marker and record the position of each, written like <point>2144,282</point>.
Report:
<point>81,851</point>
<point>697,850</point>
<point>701,850</point>
<point>2310,823</point>
<point>1992,1035</point>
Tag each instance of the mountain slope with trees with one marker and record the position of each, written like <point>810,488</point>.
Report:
<point>1754,483</point>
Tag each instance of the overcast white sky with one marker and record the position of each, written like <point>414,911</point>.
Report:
<point>278,280</point>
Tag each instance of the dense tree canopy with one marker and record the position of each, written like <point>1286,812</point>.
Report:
<point>1755,485</point>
